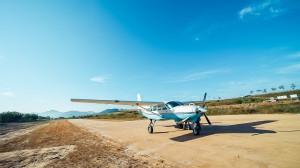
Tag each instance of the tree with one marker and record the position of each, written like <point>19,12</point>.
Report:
<point>251,92</point>
<point>258,90</point>
<point>274,89</point>
<point>293,86</point>
<point>281,87</point>
<point>265,90</point>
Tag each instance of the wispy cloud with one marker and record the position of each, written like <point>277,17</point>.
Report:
<point>197,76</point>
<point>98,79</point>
<point>295,55</point>
<point>292,69</point>
<point>203,26</point>
<point>8,94</point>
<point>265,9</point>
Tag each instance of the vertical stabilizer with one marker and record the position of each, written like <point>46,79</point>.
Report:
<point>139,97</point>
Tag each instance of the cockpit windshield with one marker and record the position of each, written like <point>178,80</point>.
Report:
<point>173,104</point>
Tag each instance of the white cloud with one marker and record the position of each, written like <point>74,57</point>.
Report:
<point>197,75</point>
<point>266,9</point>
<point>98,79</point>
<point>295,55</point>
<point>8,94</point>
<point>292,69</point>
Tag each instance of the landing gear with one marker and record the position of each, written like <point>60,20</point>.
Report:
<point>197,128</point>
<point>151,125</point>
<point>150,129</point>
<point>186,125</point>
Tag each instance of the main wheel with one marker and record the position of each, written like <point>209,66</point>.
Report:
<point>150,129</point>
<point>197,129</point>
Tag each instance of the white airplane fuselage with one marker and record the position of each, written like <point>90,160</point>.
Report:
<point>177,113</point>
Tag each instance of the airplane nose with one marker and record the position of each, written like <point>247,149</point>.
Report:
<point>202,110</point>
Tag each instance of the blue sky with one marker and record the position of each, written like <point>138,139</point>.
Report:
<point>51,51</point>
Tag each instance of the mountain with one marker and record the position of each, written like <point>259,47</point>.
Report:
<point>51,114</point>
<point>69,114</point>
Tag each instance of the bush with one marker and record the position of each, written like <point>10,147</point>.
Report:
<point>7,117</point>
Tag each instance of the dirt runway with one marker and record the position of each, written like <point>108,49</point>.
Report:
<point>69,146</point>
<point>270,140</point>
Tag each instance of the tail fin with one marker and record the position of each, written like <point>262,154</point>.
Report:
<point>139,97</point>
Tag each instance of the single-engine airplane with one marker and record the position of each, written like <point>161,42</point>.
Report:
<point>183,113</point>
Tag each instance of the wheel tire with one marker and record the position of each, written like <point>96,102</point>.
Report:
<point>150,129</point>
<point>197,129</point>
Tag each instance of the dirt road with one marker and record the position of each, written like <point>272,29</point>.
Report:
<point>69,146</point>
<point>233,141</point>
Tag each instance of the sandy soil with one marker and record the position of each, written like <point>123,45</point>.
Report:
<point>266,140</point>
<point>69,146</point>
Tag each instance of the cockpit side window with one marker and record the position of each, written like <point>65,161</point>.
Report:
<point>154,109</point>
<point>164,107</point>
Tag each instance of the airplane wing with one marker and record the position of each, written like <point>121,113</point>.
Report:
<point>120,102</point>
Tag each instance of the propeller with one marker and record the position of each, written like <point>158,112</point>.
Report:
<point>203,104</point>
<point>207,119</point>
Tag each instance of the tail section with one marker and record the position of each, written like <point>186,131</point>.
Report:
<point>139,97</point>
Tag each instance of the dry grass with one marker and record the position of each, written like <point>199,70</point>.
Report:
<point>256,108</point>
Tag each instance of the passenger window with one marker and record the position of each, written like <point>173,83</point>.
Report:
<point>159,108</point>
<point>154,109</point>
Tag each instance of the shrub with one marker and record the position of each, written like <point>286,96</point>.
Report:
<point>7,117</point>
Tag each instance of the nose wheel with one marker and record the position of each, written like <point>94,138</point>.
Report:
<point>151,125</point>
<point>150,129</point>
<point>197,128</point>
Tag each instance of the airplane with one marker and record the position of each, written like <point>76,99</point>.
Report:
<point>183,113</point>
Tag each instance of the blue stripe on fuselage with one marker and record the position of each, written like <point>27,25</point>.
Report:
<point>173,116</point>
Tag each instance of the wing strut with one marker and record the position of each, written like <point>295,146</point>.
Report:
<point>149,111</point>
<point>183,121</point>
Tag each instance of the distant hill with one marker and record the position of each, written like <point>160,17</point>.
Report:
<point>109,111</point>
<point>51,114</point>
<point>69,114</point>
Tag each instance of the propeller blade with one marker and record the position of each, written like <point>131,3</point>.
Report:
<point>207,119</point>
<point>203,103</point>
